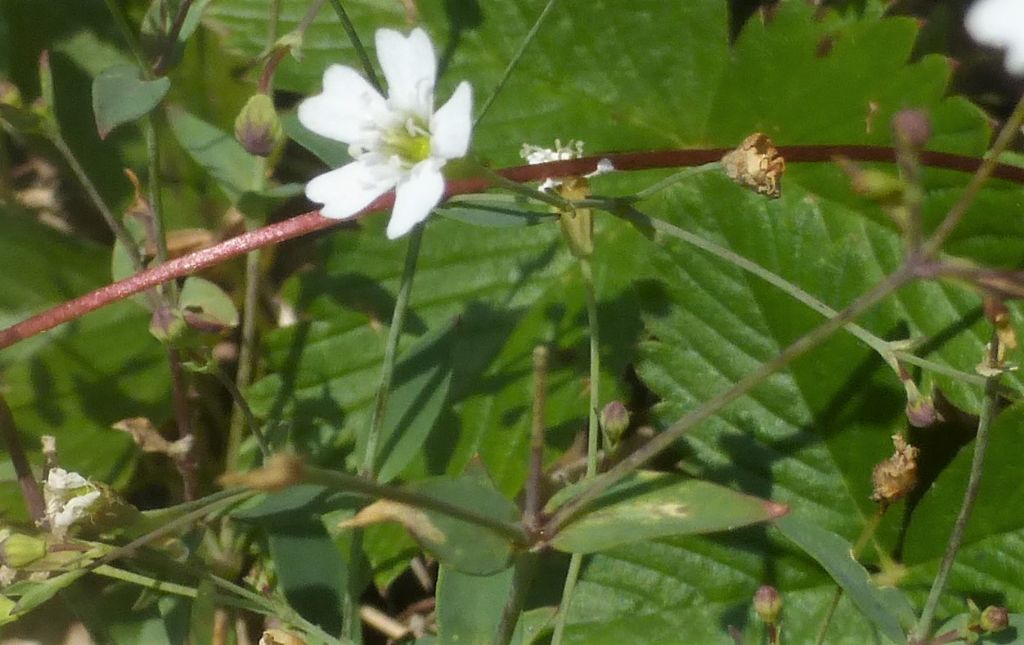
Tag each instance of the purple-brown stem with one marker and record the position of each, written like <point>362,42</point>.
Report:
<point>30,489</point>
<point>312,221</point>
<point>186,463</point>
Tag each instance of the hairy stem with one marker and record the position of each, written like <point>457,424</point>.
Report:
<point>988,412</point>
<point>311,222</point>
<point>666,438</point>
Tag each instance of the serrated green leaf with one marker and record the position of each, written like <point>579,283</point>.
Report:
<point>652,505</point>
<point>120,95</point>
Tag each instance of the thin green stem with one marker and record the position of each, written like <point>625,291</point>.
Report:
<point>246,412</point>
<point>957,212</point>
<point>121,22</point>
<point>593,429</point>
<point>704,411</point>
<point>827,621</point>
<point>355,484</point>
<point>387,370</point>
<point>353,37</point>
<point>571,576</point>
<point>881,346</point>
<point>147,582</point>
<point>593,432</point>
<point>155,199</point>
<point>989,410</point>
<point>522,578</point>
<point>530,35</point>
<point>675,178</point>
<point>115,225</point>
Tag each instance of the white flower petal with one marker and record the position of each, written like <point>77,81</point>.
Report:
<point>347,109</point>
<point>415,197</point>
<point>410,67</point>
<point>349,189</point>
<point>58,479</point>
<point>452,125</point>
<point>73,511</point>
<point>999,23</point>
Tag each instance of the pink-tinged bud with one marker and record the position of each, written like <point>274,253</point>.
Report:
<point>9,94</point>
<point>257,127</point>
<point>614,422</point>
<point>921,413</point>
<point>994,619</point>
<point>768,604</point>
<point>912,128</point>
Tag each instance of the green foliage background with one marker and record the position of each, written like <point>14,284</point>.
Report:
<point>678,326</point>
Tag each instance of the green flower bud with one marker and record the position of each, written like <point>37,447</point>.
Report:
<point>20,550</point>
<point>10,95</point>
<point>614,422</point>
<point>994,619</point>
<point>912,128</point>
<point>768,604</point>
<point>257,127</point>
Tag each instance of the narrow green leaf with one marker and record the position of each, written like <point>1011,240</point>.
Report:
<point>469,607</point>
<point>290,500</point>
<point>43,591</point>
<point>121,95</point>
<point>310,570</point>
<point>331,152</point>
<point>651,505</point>
<point>216,151</point>
<point>833,554</point>
<point>202,616</point>
<point>422,381</point>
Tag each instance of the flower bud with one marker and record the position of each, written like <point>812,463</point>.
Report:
<point>994,619</point>
<point>912,128</point>
<point>9,94</point>
<point>768,604</point>
<point>20,550</point>
<point>614,422</point>
<point>876,185</point>
<point>920,410</point>
<point>257,127</point>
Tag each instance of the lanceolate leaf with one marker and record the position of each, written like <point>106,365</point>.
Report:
<point>651,505</point>
<point>120,95</point>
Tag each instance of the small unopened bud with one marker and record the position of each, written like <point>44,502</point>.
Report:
<point>768,604</point>
<point>921,411</point>
<point>912,128</point>
<point>257,127</point>
<point>999,315</point>
<point>280,471</point>
<point>9,94</point>
<point>20,550</point>
<point>873,184</point>
<point>577,224</point>
<point>893,478</point>
<point>994,619</point>
<point>614,422</point>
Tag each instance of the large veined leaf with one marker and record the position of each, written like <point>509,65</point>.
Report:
<point>649,75</point>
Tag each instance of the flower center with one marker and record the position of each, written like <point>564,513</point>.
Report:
<point>411,142</point>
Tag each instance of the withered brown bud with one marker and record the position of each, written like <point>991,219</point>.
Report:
<point>893,478</point>
<point>768,604</point>
<point>912,128</point>
<point>756,164</point>
<point>279,472</point>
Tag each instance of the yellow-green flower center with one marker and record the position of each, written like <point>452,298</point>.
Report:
<point>410,148</point>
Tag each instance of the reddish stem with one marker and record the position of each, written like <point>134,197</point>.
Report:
<point>313,221</point>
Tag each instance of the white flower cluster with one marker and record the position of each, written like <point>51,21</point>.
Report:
<point>534,155</point>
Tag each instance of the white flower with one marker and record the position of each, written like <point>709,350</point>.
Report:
<point>398,142</point>
<point>534,155</point>
<point>999,23</point>
<point>68,497</point>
